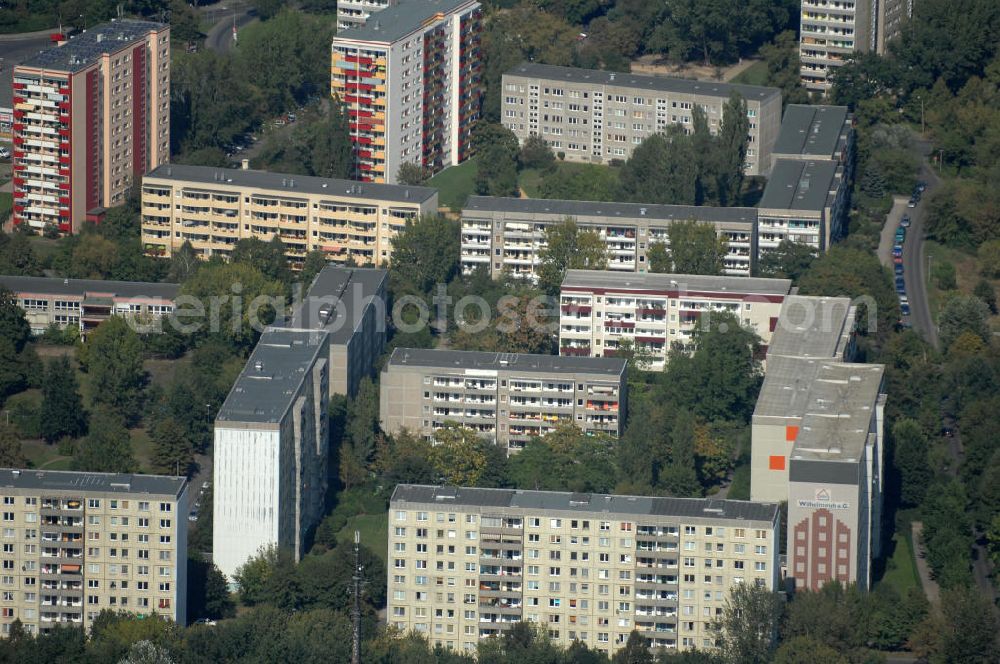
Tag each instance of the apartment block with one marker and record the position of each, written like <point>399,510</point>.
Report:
<point>817,443</point>
<point>354,13</point>
<point>411,83</point>
<point>813,132</point>
<point>506,235</point>
<point>271,449</point>
<point>599,310</point>
<point>507,397</point>
<point>214,208</point>
<point>804,201</point>
<point>467,564</point>
<point>76,544</point>
<point>86,303</point>
<point>601,116</point>
<point>349,304</point>
<point>832,31</point>
<point>91,116</point>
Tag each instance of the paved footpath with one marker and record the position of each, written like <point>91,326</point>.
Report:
<point>931,588</point>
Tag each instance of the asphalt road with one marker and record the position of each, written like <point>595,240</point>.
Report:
<point>220,35</point>
<point>15,49</point>
<point>914,258</point>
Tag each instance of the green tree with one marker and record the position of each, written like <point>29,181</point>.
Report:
<point>536,153</point>
<point>568,247</point>
<point>963,313</point>
<point>496,162</point>
<point>62,407</point>
<point>807,649</point>
<point>13,324</point>
<point>989,258</point>
<point>783,67</point>
<point>984,291</point>
<point>17,256</point>
<point>107,447</point>
<point>692,248</point>
<point>749,624</point>
<point>424,253</point>
<point>411,173</point>
<point>911,461</point>
<point>580,182</point>
<point>966,630</point>
<point>268,257</point>
<point>183,263</point>
<point>732,142</point>
<point>361,434</point>
<point>460,456</point>
<point>635,651</point>
<point>662,169</point>
<point>11,452</point>
<point>114,365</point>
<point>252,577</point>
<point>218,313</point>
<point>172,450</point>
<point>218,602</point>
<point>789,260</point>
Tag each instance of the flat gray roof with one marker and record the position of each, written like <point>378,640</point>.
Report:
<point>626,211</point>
<point>463,359</point>
<point>699,283</point>
<point>290,185</point>
<point>270,380</point>
<point>85,48</point>
<point>811,326</point>
<point>584,503</point>
<point>839,412</point>
<point>785,391</point>
<point>644,81</point>
<point>795,184</point>
<point>811,130</point>
<point>81,287</point>
<point>396,22</point>
<point>65,480</point>
<point>337,300</point>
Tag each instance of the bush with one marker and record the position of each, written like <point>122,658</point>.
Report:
<point>989,258</point>
<point>26,416</point>
<point>944,275</point>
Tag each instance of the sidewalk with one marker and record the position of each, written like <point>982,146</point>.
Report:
<point>931,588</point>
<point>886,240</point>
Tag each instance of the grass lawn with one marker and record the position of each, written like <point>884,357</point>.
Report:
<point>901,569</point>
<point>373,529</point>
<point>6,203</point>
<point>755,74</point>
<point>530,181</point>
<point>967,275</point>
<point>44,456</point>
<point>455,184</point>
<point>740,488</point>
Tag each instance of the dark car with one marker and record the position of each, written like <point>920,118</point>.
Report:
<point>897,251</point>
<point>900,285</point>
<point>904,309</point>
<point>905,221</point>
<point>921,186</point>
<point>898,269</point>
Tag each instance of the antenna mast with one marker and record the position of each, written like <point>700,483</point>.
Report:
<point>356,580</point>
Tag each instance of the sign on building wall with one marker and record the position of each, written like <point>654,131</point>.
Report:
<point>823,499</point>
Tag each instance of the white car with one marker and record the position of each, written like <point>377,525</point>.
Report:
<point>4,153</point>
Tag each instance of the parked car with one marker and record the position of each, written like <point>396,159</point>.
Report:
<point>900,285</point>
<point>904,309</point>
<point>205,621</point>
<point>912,203</point>
<point>193,516</point>
<point>921,186</point>
<point>905,221</point>
<point>897,250</point>
<point>4,153</point>
<point>898,260</point>
<point>898,269</point>
<point>900,235</point>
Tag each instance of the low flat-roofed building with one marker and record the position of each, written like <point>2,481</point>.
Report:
<point>598,310</point>
<point>271,448</point>
<point>507,234</point>
<point>805,202</point>
<point>214,208</point>
<point>86,303</point>
<point>349,304</point>
<point>588,567</point>
<point>67,538</point>
<point>507,397</point>
<point>600,116</point>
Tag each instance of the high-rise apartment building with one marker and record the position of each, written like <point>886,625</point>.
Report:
<point>601,116</point>
<point>353,13</point>
<point>507,234</point>
<point>91,116</point>
<point>350,305</point>
<point>599,310</point>
<point>411,83</point>
<point>86,303</point>
<point>270,464</point>
<point>214,208</point>
<point>507,397</point>
<point>832,31</point>
<point>467,564</point>
<point>76,544</point>
<point>817,443</point>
